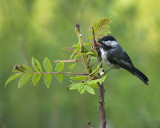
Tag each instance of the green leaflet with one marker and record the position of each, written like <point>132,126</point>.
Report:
<point>36,65</point>
<point>91,53</point>
<point>89,89</point>
<point>89,43</point>
<point>47,65</point>
<point>36,78</point>
<point>82,90</point>
<point>76,50</point>
<point>93,81</point>
<point>47,79</point>
<point>27,68</point>
<point>80,54</point>
<point>23,80</point>
<point>72,66</point>
<point>59,77</point>
<point>12,78</point>
<point>59,66</point>
<point>76,86</point>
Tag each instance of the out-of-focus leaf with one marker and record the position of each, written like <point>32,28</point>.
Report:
<point>89,89</point>
<point>36,78</point>
<point>83,90</point>
<point>47,65</point>
<point>91,53</point>
<point>23,80</point>
<point>75,51</point>
<point>59,66</point>
<point>36,65</point>
<point>80,54</point>
<point>76,46</point>
<point>72,66</point>
<point>59,77</point>
<point>78,78</point>
<point>89,43</point>
<point>12,78</point>
<point>47,79</point>
<point>101,25</point>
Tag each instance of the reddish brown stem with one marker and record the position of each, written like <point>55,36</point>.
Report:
<point>69,73</point>
<point>65,61</point>
<point>103,121</point>
<point>90,125</point>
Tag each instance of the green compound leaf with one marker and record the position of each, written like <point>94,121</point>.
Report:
<point>78,77</point>
<point>59,77</point>
<point>47,79</point>
<point>89,89</point>
<point>47,65</point>
<point>12,78</point>
<point>23,80</point>
<point>36,65</point>
<point>59,66</point>
<point>36,78</point>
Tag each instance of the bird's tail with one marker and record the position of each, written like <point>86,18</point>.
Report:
<point>140,75</point>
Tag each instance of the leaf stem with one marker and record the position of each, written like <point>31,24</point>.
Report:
<point>60,73</point>
<point>65,61</point>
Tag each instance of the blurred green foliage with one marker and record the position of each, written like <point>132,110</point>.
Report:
<point>38,28</point>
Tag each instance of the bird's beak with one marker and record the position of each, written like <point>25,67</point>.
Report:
<point>100,41</point>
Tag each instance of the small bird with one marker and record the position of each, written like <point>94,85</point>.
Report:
<point>115,57</point>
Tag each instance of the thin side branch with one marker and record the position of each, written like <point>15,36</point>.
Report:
<point>89,125</point>
<point>103,121</point>
<point>69,73</point>
<point>66,61</point>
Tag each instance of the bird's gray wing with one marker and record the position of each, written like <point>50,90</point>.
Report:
<point>124,61</point>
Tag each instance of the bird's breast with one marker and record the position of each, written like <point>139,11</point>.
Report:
<point>104,55</point>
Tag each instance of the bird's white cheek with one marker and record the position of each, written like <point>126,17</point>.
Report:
<point>104,55</point>
<point>103,51</point>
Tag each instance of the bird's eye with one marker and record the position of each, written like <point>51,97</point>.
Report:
<point>107,47</point>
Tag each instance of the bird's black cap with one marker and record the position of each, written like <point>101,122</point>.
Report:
<point>107,38</point>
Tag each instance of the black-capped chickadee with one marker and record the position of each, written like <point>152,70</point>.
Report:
<point>115,57</point>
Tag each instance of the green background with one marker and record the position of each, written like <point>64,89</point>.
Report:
<point>41,28</point>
